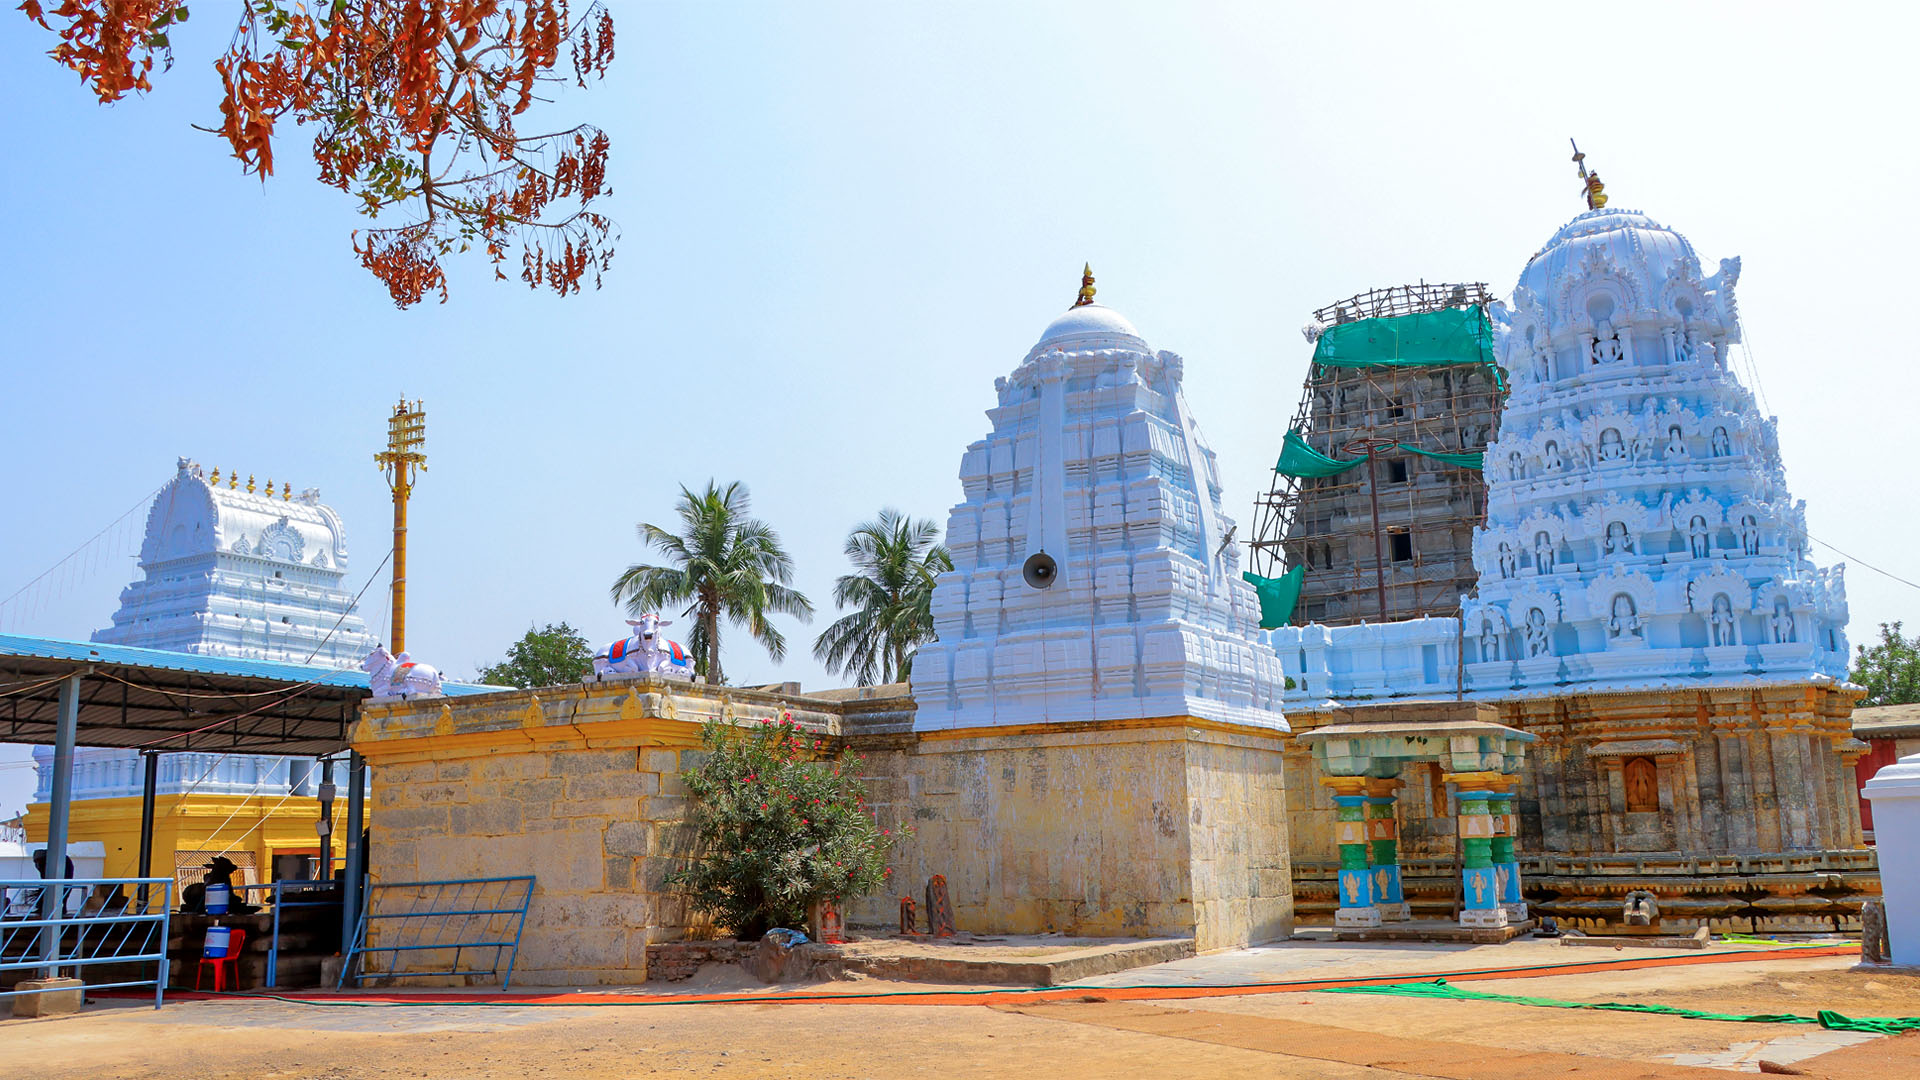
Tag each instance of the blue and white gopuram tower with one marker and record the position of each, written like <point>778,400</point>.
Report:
<point>1639,529</point>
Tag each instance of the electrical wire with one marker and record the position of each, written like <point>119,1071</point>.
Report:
<point>371,578</point>
<point>68,557</point>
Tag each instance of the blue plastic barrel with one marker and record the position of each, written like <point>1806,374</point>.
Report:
<point>217,939</point>
<point>218,897</point>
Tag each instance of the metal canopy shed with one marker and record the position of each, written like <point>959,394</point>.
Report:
<point>71,693</point>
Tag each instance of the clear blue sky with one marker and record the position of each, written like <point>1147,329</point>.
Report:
<point>842,221</point>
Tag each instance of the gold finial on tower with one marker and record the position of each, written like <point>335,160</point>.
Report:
<point>286,491</point>
<point>1086,287</point>
<point>233,479</point>
<point>249,483</point>
<point>269,487</point>
<point>1596,192</point>
<point>216,476</point>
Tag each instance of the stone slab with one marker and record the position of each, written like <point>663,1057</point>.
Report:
<point>48,997</point>
<point>1696,940</point>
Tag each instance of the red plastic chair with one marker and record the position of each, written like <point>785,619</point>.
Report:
<point>224,965</point>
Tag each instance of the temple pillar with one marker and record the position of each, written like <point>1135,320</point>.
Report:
<point>1383,849</point>
<point>1506,865</point>
<point>1480,883</point>
<point>1350,833</point>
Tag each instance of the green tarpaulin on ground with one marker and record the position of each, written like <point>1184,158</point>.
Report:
<point>1826,1018</point>
<point>1299,459</point>
<point>1453,336</point>
<point>1277,596</point>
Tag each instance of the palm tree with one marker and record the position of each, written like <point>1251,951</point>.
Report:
<point>723,562</point>
<point>895,559</point>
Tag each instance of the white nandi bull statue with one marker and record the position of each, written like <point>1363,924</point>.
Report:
<point>646,652</point>
<point>393,676</point>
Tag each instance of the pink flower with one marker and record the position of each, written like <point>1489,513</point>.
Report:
<point>804,821</point>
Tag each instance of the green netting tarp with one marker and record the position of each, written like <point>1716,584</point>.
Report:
<point>1454,336</point>
<point>1299,459</point>
<point>1474,460</point>
<point>1277,595</point>
<point>1826,1018</point>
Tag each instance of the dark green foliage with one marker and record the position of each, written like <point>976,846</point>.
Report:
<point>775,830</point>
<point>549,656</point>
<point>1889,670</point>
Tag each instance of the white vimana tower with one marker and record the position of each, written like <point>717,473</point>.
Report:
<point>1095,577</point>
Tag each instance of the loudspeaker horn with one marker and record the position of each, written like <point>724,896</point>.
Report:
<point>1039,570</point>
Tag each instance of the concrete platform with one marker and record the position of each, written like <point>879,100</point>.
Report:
<point>1435,930</point>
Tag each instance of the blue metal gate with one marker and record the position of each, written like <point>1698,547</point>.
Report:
<point>462,919</point>
<point>109,932</point>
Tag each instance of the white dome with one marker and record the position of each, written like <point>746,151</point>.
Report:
<point>1090,326</point>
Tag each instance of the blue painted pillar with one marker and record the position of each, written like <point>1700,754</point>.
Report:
<point>1383,851</point>
<point>60,805</point>
<point>1506,865</point>
<point>1480,884</point>
<point>1356,908</point>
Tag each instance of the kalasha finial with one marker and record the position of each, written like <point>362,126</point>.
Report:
<point>1086,287</point>
<point>233,479</point>
<point>1596,191</point>
<point>216,476</point>
<point>286,491</point>
<point>249,483</point>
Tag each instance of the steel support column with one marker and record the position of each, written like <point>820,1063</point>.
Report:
<point>60,806</point>
<point>149,787</point>
<point>350,892</point>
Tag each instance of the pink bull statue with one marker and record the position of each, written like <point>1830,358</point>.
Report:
<point>646,652</point>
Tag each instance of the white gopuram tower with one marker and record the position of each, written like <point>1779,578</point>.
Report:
<point>229,571</point>
<point>1639,528</point>
<point>1095,577</point>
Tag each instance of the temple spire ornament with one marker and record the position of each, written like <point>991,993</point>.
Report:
<point>1595,191</point>
<point>1086,287</point>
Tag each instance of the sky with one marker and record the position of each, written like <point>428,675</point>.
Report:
<point>841,221</point>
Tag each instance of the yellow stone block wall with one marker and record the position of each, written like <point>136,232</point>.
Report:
<point>1157,828</point>
<point>578,786</point>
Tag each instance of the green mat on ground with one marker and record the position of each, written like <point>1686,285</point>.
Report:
<point>1441,988</point>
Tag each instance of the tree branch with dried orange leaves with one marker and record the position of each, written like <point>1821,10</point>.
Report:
<point>414,105</point>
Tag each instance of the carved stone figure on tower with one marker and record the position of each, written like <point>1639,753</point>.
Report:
<point>1625,620</point>
<point>1699,538</point>
<point>1722,622</point>
<point>1539,643</point>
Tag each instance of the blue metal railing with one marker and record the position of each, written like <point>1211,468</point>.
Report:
<point>277,892</point>
<point>95,921</point>
<point>459,915</point>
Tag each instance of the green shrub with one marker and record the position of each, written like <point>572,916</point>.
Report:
<point>776,826</point>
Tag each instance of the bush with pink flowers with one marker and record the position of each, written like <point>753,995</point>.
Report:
<point>779,821</point>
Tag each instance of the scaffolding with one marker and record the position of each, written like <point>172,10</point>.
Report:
<point>1391,536</point>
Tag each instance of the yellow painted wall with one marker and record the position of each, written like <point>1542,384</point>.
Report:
<point>262,825</point>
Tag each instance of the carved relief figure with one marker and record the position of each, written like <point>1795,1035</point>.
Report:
<point>1749,534</point>
<point>1642,781</point>
<point>1618,541</point>
<point>1625,620</point>
<point>1676,444</point>
<point>1508,561</point>
<point>1682,348</point>
<point>1552,456</point>
<point>1542,553</point>
<point>1515,471</point>
<point>1582,456</point>
<point>1606,345</point>
<point>1699,538</point>
<point>1543,364</point>
<point>1639,447</point>
<point>1538,642</point>
<point>1722,444</point>
<point>1489,642</point>
<point>1611,448</point>
<point>1781,622</point>
<point>1722,623</point>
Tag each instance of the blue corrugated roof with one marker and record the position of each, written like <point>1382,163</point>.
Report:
<point>166,660</point>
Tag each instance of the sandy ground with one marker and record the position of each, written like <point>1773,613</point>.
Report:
<point>1319,1035</point>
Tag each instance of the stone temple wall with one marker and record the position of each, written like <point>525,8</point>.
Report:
<point>1134,829</point>
<point>1734,806</point>
<point>1141,829</point>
